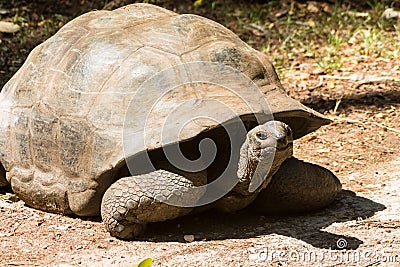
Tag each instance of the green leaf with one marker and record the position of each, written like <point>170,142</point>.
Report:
<point>145,263</point>
<point>198,3</point>
<point>10,197</point>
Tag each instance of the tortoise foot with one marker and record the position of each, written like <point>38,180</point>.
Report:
<point>297,187</point>
<point>132,202</point>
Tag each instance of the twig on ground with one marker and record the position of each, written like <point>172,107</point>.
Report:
<point>320,83</point>
<point>337,105</point>
<point>361,79</point>
<point>20,264</point>
<point>258,27</point>
<point>364,124</point>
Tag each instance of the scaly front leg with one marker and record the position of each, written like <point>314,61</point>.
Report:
<point>132,202</point>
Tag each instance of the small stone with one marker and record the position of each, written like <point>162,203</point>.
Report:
<point>390,13</point>
<point>188,238</point>
<point>8,27</point>
<point>101,246</point>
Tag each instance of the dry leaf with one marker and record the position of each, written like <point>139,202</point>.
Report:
<point>331,84</point>
<point>311,23</point>
<point>312,7</point>
<point>326,8</point>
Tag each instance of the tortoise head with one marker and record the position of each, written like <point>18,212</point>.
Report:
<point>266,147</point>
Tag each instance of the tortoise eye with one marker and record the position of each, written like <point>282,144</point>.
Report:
<point>261,135</point>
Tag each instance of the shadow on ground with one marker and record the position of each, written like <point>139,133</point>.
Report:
<point>5,190</point>
<point>213,225</point>
<point>370,98</point>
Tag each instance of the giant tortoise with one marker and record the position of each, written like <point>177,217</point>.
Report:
<point>92,121</point>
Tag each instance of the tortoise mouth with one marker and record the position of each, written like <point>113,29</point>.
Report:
<point>285,148</point>
<point>279,148</point>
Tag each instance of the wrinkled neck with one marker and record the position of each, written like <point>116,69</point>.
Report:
<point>255,169</point>
<point>247,163</point>
<point>247,166</point>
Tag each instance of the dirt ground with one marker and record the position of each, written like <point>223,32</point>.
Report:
<point>361,228</point>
